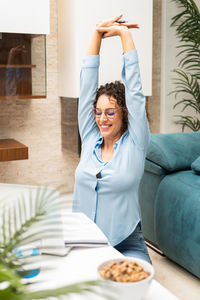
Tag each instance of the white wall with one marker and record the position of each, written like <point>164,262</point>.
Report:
<point>24,16</point>
<point>67,43</point>
<point>169,61</point>
<point>77,19</point>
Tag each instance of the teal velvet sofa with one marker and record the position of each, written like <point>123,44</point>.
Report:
<point>169,196</point>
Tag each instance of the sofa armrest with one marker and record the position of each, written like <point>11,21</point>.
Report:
<point>153,168</point>
<point>174,151</point>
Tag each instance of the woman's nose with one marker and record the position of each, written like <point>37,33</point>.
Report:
<point>103,116</point>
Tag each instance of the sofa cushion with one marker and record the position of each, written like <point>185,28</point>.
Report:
<point>196,165</point>
<point>174,151</point>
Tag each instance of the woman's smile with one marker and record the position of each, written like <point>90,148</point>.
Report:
<point>105,126</point>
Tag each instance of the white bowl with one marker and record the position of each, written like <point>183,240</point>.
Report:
<point>128,290</point>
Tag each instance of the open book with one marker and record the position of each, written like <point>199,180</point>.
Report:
<point>80,231</point>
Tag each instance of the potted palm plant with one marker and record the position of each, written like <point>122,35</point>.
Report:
<point>16,220</point>
<point>187,82</point>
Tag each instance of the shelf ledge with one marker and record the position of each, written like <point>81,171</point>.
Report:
<point>11,149</point>
<point>18,66</point>
<point>18,97</point>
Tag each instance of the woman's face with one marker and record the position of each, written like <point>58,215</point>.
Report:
<point>109,125</point>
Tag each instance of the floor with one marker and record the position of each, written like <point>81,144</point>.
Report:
<point>180,282</point>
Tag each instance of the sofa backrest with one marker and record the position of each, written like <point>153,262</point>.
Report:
<point>174,151</point>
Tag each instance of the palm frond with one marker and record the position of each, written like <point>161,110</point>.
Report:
<point>187,85</point>
<point>188,121</point>
<point>89,287</point>
<point>187,103</point>
<point>22,223</point>
<point>187,25</point>
<point>11,286</point>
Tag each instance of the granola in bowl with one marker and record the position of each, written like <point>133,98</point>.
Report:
<point>126,277</point>
<point>124,271</point>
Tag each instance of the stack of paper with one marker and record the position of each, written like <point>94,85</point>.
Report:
<point>80,231</point>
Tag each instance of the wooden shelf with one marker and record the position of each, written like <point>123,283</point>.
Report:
<point>18,66</point>
<point>11,149</point>
<point>18,97</point>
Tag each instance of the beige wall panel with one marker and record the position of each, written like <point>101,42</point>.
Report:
<point>37,124</point>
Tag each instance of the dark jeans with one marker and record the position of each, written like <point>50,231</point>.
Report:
<point>134,245</point>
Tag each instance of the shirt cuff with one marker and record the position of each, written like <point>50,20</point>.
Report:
<point>130,58</point>
<point>91,61</point>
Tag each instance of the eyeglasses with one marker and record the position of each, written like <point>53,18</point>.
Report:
<point>109,112</point>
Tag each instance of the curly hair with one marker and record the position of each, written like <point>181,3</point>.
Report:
<point>116,90</point>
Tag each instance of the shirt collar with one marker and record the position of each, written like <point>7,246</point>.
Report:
<point>99,142</point>
<point>120,140</point>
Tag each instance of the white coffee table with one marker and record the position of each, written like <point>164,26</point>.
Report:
<point>81,265</point>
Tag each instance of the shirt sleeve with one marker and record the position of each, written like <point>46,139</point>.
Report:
<point>135,101</point>
<point>88,88</point>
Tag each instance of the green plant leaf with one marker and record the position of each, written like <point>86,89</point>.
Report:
<point>16,220</point>
<point>80,287</point>
<point>187,86</point>
<point>11,287</point>
<point>188,121</point>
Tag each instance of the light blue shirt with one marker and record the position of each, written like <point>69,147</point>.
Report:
<point>112,200</point>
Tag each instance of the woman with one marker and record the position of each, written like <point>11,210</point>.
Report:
<point>115,136</point>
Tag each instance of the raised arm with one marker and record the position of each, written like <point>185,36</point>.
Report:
<point>89,82</point>
<point>88,86</point>
<point>95,44</point>
<point>135,99</point>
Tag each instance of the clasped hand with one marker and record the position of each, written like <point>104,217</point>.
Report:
<point>110,27</point>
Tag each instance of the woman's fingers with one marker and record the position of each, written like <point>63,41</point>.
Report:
<point>131,25</point>
<point>115,29</point>
<point>111,30</point>
<point>104,25</point>
<point>101,29</point>
<point>116,18</point>
<point>109,22</point>
<point>106,29</point>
